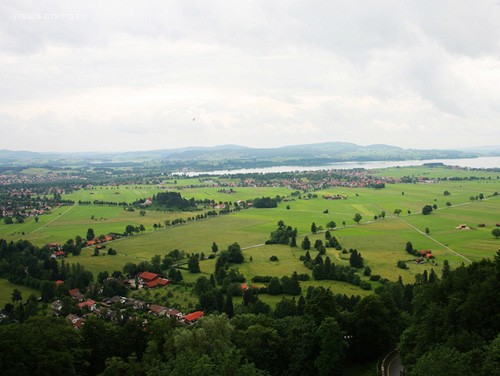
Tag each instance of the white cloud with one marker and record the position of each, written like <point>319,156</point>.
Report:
<point>128,75</point>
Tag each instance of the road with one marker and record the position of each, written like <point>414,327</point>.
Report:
<point>394,366</point>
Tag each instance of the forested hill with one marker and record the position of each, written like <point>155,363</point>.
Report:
<point>456,324</point>
<point>246,156</point>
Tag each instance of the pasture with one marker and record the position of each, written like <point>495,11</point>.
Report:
<point>381,241</point>
<point>6,289</point>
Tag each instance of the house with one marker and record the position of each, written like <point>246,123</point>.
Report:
<point>174,313</point>
<point>76,321</point>
<point>245,287</point>
<point>430,256</point>
<point>75,294</point>
<point>135,303</point>
<point>72,318</point>
<point>59,282</point>
<point>158,282</point>
<point>55,246</point>
<point>462,227</point>
<point>116,299</point>
<point>481,225</point>
<point>152,280</point>
<point>146,277</point>
<point>157,310</point>
<point>79,323</point>
<point>192,317</point>
<point>90,304</point>
<point>57,305</point>
<point>58,255</point>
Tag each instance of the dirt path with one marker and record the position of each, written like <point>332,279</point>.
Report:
<point>56,218</point>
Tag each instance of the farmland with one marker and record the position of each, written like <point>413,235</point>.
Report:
<point>380,239</point>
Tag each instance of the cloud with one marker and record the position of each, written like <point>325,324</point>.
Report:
<point>128,75</point>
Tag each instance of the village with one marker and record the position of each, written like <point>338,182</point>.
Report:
<point>120,308</point>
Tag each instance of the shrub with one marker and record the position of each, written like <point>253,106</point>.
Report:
<point>365,285</point>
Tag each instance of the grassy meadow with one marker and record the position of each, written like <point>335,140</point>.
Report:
<point>380,241</point>
<point>6,289</point>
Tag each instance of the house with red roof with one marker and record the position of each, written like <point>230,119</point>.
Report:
<point>75,294</point>
<point>90,304</point>
<point>58,255</point>
<point>191,318</point>
<point>145,277</point>
<point>158,282</point>
<point>76,321</point>
<point>152,280</point>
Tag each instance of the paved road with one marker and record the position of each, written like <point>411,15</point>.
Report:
<point>394,366</point>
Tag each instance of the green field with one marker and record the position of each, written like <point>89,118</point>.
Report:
<point>381,241</point>
<point>6,289</point>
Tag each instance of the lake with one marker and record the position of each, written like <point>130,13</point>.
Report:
<point>481,162</point>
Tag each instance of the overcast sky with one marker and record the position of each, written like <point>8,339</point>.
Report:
<point>143,75</point>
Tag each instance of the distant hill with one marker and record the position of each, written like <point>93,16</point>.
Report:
<point>489,150</point>
<point>236,156</point>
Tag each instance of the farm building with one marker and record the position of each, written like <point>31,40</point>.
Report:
<point>192,317</point>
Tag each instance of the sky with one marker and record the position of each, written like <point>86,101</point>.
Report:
<point>145,75</point>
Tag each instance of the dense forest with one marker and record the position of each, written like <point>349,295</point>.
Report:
<point>443,325</point>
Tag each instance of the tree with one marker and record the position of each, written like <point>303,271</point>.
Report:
<point>448,203</point>
<point>306,244</point>
<point>235,255</point>
<point>426,210</point>
<point>331,224</point>
<point>129,229</point>
<point>90,234</point>
<point>355,260</point>
<point>228,306</point>
<point>357,218</point>
<point>446,269</point>
<point>313,228</point>
<point>496,232</point>
<point>193,264</point>
<point>397,212</point>
<point>382,214</point>
<point>215,248</point>
<point>427,231</point>
<point>285,307</point>
<point>274,286</point>
<point>142,213</point>
<point>49,290</point>
<point>446,193</point>
<point>16,296</point>
<point>409,248</point>
<point>332,345</point>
